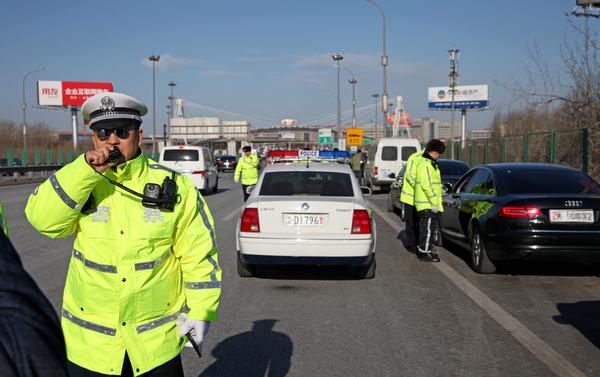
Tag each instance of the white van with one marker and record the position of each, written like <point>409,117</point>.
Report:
<point>386,157</point>
<point>196,162</point>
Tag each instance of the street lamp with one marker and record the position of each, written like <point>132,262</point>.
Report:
<point>353,83</point>
<point>375,95</point>
<point>453,83</point>
<point>384,63</point>
<point>171,111</point>
<point>154,59</point>
<point>337,58</point>
<point>24,107</point>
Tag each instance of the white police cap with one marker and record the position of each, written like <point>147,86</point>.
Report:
<point>111,105</point>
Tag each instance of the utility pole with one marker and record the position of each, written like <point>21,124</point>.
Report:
<point>337,58</point>
<point>375,95</point>
<point>154,59</point>
<point>453,83</point>
<point>172,110</point>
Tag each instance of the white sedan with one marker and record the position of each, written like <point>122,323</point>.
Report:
<point>310,213</point>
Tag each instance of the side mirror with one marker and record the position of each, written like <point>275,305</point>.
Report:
<point>249,189</point>
<point>366,190</point>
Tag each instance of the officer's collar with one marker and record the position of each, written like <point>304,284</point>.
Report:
<point>130,169</point>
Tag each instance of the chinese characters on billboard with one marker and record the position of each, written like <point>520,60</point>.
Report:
<point>69,93</point>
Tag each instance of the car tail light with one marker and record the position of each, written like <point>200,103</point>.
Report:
<point>201,172</point>
<point>250,220</point>
<point>375,171</point>
<point>520,212</point>
<point>361,222</point>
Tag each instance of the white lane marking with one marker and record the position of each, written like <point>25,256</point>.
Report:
<point>540,349</point>
<point>232,214</point>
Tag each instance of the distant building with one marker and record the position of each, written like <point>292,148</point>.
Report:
<point>208,128</point>
<point>480,134</point>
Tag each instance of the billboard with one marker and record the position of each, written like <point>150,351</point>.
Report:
<point>69,93</point>
<point>465,97</point>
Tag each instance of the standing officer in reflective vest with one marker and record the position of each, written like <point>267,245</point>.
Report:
<point>407,196</point>
<point>428,199</point>
<point>246,170</point>
<point>137,263</point>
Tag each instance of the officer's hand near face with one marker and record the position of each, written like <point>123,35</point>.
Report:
<point>97,158</point>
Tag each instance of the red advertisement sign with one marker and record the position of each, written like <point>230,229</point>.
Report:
<point>74,93</point>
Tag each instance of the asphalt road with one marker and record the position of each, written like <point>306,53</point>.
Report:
<point>413,319</point>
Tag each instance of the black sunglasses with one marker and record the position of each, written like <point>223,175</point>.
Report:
<point>121,132</point>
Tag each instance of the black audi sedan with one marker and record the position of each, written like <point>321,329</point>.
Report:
<point>517,211</point>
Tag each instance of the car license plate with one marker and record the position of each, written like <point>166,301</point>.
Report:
<point>571,216</point>
<point>292,219</point>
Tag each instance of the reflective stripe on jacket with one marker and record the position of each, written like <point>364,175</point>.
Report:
<point>133,269</point>
<point>247,168</point>
<point>428,186</point>
<point>407,195</point>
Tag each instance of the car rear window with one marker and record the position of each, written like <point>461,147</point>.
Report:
<point>306,183</point>
<point>389,154</point>
<point>227,158</point>
<point>549,182</point>
<point>407,151</point>
<point>453,168</point>
<point>180,155</point>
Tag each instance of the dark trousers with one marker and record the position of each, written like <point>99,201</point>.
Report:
<point>358,174</point>
<point>171,368</point>
<point>412,227</point>
<point>429,223</point>
<point>246,195</point>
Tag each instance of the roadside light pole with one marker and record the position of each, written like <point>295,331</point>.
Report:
<point>384,63</point>
<point>24,107</point>
<point>453,82</point>
<point>172,110</point>
<point>375,95</point>
<point>353,83</point>
<point>154,59</point>
<point>337,58</point>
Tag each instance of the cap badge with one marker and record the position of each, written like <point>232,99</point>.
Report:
<point>107,104</point>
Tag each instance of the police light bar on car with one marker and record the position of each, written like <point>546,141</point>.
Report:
<point>306,155</point>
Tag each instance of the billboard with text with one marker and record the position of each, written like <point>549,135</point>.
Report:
<point>69,93</point>
<point>465,97</point>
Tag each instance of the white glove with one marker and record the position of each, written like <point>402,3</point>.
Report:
<point>197,329</point>
<point>435,209</point>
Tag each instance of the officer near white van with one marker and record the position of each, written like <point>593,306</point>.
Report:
<point>407,197</point>
<point>246,170</point>
<point>144,254</point>
<point>428,199</point>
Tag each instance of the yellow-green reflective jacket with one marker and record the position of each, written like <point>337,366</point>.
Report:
<point>428,186</point>
<point>246,170</point>
<point>407,195</point>
<point>133,269</point>
<point>3,222</point>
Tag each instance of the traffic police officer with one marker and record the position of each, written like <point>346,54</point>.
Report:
<point>407,196</point>
<point>428,199</point>
<point>246,170</point>
<point>135,267</point>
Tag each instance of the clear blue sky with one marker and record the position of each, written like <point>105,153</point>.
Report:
<point>270,59</point>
